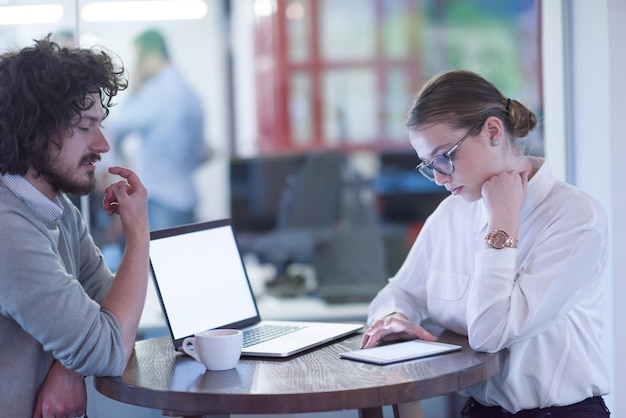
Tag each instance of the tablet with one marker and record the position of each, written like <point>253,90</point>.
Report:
<point>401,351</point>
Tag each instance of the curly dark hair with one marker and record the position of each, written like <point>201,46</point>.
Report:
<point>43,90</point>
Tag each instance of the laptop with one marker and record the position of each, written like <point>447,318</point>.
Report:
<point>201,283</point>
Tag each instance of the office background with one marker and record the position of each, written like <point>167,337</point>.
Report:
<point>578,94</point>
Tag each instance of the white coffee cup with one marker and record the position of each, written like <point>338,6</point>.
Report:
<point>217,349</point>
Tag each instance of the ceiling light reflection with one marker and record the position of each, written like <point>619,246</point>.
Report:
<point>31,14</point>
<point>264,7</point>
<point>118,11</point>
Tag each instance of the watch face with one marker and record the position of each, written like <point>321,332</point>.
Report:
<point>498,239</point>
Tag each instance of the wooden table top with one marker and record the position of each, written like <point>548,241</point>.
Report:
<point>318,380</point>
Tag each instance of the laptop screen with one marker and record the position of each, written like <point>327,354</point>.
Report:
<point>200,278</point>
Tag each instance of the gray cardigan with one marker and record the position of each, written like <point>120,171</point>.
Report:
<point>49,302</point>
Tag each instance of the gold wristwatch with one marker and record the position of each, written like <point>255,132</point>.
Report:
<point>499,239</point>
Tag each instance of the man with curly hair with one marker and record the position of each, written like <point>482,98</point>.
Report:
<point>63,313</point>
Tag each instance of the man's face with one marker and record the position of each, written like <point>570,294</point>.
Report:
<point>147,65</point>
<point>71,169</point>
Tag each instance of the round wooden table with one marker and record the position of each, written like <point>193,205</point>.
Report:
<point>318,380</point>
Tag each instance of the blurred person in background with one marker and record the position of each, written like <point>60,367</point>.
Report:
<point>167,115</point>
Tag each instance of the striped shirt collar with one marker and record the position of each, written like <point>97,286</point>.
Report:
<point>51,210</point>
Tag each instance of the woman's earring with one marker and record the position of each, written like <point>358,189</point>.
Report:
<point>495,142</point>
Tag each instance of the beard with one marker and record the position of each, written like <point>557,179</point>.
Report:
<point>66,179</point>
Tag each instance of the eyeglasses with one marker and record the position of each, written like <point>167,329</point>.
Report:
<point>442,163</point>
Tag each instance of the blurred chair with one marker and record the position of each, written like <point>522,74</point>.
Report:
<point>327,218</point>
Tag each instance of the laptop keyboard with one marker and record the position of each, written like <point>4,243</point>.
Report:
<point>267,332</point>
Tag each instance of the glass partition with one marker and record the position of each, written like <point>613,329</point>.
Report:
<point>171,124</point>
<point>366,59</point>
<point>301,106</point>
<point>333,81</point>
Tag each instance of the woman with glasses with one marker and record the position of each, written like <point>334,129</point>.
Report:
<point>513,259</point>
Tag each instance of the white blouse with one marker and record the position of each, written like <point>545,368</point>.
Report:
<point>541,303</point>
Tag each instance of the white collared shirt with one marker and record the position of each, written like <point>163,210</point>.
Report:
<point>51,210</point>
<point>541,302</point>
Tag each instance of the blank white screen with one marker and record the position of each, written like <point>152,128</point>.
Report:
<point>201,280</point>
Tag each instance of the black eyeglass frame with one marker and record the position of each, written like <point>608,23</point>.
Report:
<point>421,167</point>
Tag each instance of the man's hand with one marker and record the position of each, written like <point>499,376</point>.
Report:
<point>62,394</point>
<point>394,327</point>
<point>127,198</point>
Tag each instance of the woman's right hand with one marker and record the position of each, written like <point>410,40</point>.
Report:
<point>394,327</point>
<point>503,196</point>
